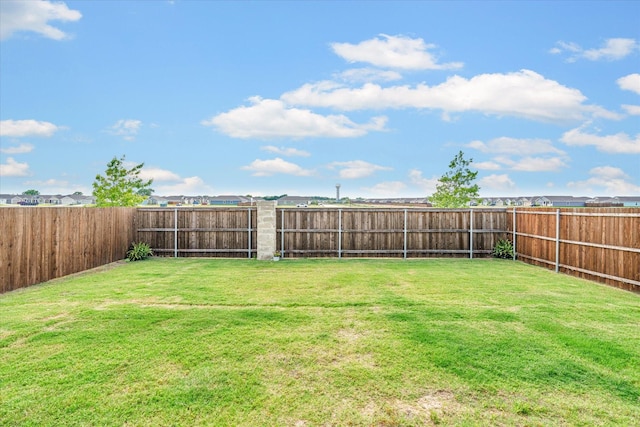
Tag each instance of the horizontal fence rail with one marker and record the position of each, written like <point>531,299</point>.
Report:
<point>219,232</point>
<point>42,243</point>
<point>389,232</point>
<point>601,244</point>
<point>320,232</point>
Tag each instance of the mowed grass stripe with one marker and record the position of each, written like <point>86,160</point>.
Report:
<point>320,342</point>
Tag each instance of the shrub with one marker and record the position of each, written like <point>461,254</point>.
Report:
<point>503,249</point>
<point>139,251</point>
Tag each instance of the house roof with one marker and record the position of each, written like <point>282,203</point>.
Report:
<point>295,198</point>
<point>231,198</point>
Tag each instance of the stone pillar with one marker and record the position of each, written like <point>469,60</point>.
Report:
<point>266,229</point>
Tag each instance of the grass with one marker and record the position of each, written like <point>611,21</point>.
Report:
<point>319,342</point>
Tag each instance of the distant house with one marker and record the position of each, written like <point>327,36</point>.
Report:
<point>175,200</point>
<point>67,201</point>
<point>417,201</point>
<point>560,201</point>
<point>76,199</point>
<point>603,202</point>
<point>155,200</point>
<point>51,200</point>
<point>294,200</point>
<point>228,200</point>
<point>629,202</point>
<point>524,201</point>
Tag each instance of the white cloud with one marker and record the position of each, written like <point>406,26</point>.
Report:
<point>613,49</point>
<point>607,180</point>
<point>426,185</point>
<point>22,128</point>
<point>283,151</point>
<point>56,186</point>
<point>490,166</point>
<point>21,15</point>
<point>539,164</point>
<point>565,46</point>
<point>14,168</point>
<point>630,82</point>
<point>525,151</point>
<point>187,186</point>
<point>276,166</point>
<point>506,145</point>
<point>173,183</point>
<point>20,149</point>
<point>532,164</point>
<point>357,169</point>
<point>357,75</point>
<point>524,94</point>
<point>386,189</point>
<point>126,128</point>
<point>395,52</point>
<point>268,118</point>
<point>620,143</point>
<point>496,183</point>
<point>158,174</point>
<point>632,110</point>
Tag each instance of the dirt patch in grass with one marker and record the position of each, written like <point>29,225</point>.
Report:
<point>350,335</point>
<point>5,333</point>
<point>431,407</point>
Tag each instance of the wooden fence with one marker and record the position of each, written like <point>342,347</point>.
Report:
<point>38,244</point>
<point>219,232</point>
<point>601,244</point>
<point>402,233</point>
<point>303,232</point>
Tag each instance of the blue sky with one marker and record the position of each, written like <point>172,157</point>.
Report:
<point>268,98</point>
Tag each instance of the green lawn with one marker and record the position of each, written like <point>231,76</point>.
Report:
<point>319,342</point>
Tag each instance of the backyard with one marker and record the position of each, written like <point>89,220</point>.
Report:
<point>319,342</point>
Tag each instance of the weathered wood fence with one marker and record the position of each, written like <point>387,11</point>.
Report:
<point>601,244</point>
<point>231,232</point>
<point>39,244</point>
<point>218,232</point>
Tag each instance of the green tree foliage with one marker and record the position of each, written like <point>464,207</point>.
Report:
<point>120,186</point>
<point>31,193</point>
<point>146,192</point>
<point>455,189</point>
<point>274,197</point>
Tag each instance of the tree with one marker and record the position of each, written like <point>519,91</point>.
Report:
<point>455,189</point>
<point>146,192</point>
<point>120,186</point>
<point>31,193</point>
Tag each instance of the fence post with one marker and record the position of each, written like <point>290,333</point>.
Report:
<point>339,233</point>
<point>175,233</point>
<point>515,250</point>
<point>471,233</point>
<point>404,242</point>
<point>282,232</point>
<point>266,229</point>
<point>557,240</point>
<point>249,231</point>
